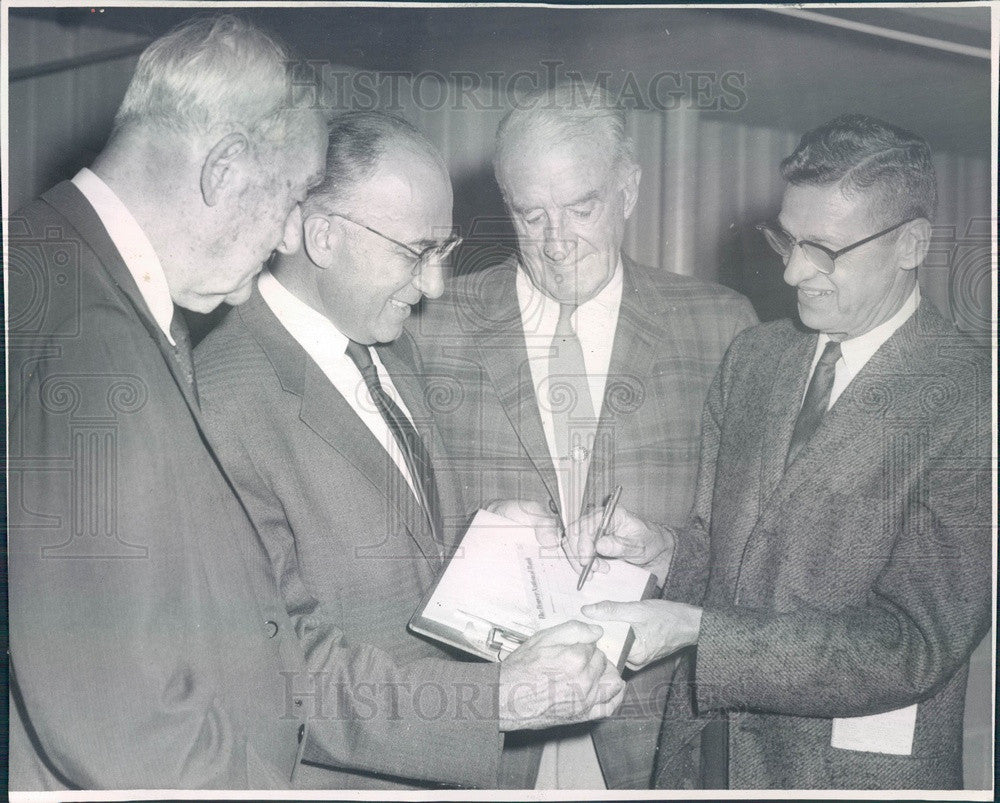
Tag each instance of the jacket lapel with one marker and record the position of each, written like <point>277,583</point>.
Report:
<point>327,413</point>
<point>633,354</point>
<point>505,358</point>
<point>859,412</point>
<point>73,205</point>
<point>787,387</point>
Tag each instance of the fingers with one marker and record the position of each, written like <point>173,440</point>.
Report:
<point>549,533</point>
<point>608,611</point>
<point>548,529</point>
<point>568,633</point>
<point>579,546</point>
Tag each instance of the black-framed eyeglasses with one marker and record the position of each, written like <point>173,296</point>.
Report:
<point>820,256</point>
<point>436,252</point>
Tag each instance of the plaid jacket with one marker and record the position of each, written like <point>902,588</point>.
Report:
<point>672,334</point>
<point>856,582</point>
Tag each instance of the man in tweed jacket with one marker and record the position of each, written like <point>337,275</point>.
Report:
<point>651,342</point>
<point>848,567</point>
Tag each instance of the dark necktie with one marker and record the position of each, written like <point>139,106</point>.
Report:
<point>816,401</point>
<point>574,424</point>
<point>182,349</point>
<point>410,443</point>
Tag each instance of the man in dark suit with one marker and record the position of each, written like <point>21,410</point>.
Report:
<point>835,573</point>
<point>312,395</point>
<point>141,657</point>
<point>569,369</point>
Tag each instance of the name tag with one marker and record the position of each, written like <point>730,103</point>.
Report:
<point>891,732</point>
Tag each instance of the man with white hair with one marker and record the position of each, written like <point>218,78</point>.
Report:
<point>142,655</point>
<point>571,369</point>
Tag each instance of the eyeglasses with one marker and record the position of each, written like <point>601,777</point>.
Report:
<point>436,252</point>
<point>820,256</point>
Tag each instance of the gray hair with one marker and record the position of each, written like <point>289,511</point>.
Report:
<point>357,141</point>
<point>213,72</point>
<point>868,156</point>
<point>568,109</point>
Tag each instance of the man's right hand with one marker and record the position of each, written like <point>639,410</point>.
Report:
<point>558,677</point>
<point>627,538</point>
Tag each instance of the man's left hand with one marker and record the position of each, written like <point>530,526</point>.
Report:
<point>661,627</point>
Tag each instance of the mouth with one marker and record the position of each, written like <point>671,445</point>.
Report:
<point>814,293</point>
<point>399,306</point>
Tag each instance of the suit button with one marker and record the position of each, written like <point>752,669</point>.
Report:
<point>553,506</point>
<point>271,628</point>
<point>302,731</point>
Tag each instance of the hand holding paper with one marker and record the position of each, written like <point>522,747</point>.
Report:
<point>548,528</point>
<point>558,677</point>
<point>661,627</point>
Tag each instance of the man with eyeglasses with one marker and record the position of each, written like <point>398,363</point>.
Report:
<point>313,397</point>
<point>834,576</point>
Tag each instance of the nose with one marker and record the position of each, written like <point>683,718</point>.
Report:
<point>429,278</point>
<point>556,244</point>
<point>798,268</point>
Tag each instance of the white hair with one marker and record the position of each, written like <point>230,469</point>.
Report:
<point>570,109</point>
<point>210,73</point>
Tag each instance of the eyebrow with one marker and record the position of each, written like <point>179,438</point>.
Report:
<point>816,240</point>
<point>593,195</point>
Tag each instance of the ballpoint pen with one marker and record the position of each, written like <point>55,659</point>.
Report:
<point>609,511</point>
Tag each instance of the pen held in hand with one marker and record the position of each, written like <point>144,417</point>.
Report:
<point>609,511</point>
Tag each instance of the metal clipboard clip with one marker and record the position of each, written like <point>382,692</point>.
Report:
<point>504,641</point>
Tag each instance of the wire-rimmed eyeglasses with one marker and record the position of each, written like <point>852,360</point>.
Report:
<point>820,256</point>
<point>436,252</point>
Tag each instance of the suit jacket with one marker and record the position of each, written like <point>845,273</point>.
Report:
<point>341,525</point>
<point>142,659</point>
<point>149,645</point>
<point>854,583</point>
<point>672,333</point>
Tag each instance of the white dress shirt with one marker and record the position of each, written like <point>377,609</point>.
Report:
<point>569,762</point>
<point>594,322</point>
<point>134,246</point>
<point>326,345</point>
<point>857,351</point>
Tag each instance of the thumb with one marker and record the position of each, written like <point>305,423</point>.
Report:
<point>611,611</point>
<point>569,633</point>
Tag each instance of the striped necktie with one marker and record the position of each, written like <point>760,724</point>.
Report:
<point>410,443</point>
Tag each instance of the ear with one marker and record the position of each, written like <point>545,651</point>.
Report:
<point>321,240</point>
<point>633,173</point>
<point>218,168</point>
<point>291,235</point>
<point>912,246</point>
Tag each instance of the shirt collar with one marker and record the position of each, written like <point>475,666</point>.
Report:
<point>311,329</point>
<point>538,308</point>
<point>858,350</point>
<point>133,245</point>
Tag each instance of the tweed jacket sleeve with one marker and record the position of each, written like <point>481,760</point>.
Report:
<point>856,584</point>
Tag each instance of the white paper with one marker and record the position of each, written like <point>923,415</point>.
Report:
<point>501,575</point>
<point>891,732</point>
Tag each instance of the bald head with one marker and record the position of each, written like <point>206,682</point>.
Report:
<point>358,143</point>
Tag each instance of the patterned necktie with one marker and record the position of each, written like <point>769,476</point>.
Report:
<point>816,401</point>
<point>182,349</point>
<point>410,443</point>
<point>574,424</point>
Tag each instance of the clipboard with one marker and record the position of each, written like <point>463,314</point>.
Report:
<point>500,587</point>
